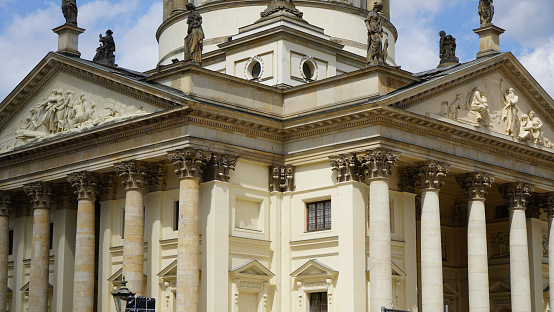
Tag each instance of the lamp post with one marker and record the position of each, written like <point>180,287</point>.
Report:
<point>121,295</point>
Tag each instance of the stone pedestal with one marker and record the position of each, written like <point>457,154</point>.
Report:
<point>550,200</point>
<point>134,173</point>
<point>68,39</point>
<point>430,180</point>
<point>516,195</point>
<point>475,187</point>
<point>5,209</point>
<point>379,163</point>
<point>40,194</point>
<point>489,41</point>
<point>83,288</point>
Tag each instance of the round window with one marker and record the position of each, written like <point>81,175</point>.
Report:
<point>308,69</point>
<point>254,69</point>
<point>308,73</point>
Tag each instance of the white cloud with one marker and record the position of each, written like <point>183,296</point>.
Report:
<point>540,63</point>
<point>5,2</point>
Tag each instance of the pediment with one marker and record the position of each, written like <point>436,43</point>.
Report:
<point>252,269</point>
<point>449,290</point>
<point>58,100</point>
<point>503,102</point>
<point>169,271</point>
<point>313,268</point>
<point>500,287</point>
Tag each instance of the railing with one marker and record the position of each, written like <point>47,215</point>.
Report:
<point>383,309</point>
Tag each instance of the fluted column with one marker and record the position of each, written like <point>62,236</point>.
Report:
<point>475,186</point>
<point>84,184</point>
<point>430,176</point>
<point>5,209</point>
<point>41,195</point>
<point>190,164</point>
<point>134,175</point>
<point>550,201</point>
<point>379,163</point>
<point>517,195</point>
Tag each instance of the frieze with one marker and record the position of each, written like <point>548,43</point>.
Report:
<point>316,284</point>
<point>250,285</point>
<point>500,245</point>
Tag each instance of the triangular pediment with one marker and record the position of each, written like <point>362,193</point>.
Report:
<point>64,96</point>
<point>495,95</point>
<point>252,269</point>
<point>500,287</point>
<point>169,271</point>
<point>313,268</point>
<point>449,290</point>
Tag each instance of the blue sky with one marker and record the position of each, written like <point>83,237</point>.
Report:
<point>26,35</point>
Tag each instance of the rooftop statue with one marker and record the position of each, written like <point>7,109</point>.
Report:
<point>105,52</point>
<point>69,10</point>
<point>285,6</point>
<point>447,49</point>
<point>486,11</point>
<point>376,54</point>
<point>195,36</point>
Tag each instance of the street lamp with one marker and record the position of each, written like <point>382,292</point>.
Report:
<point>121,295</point>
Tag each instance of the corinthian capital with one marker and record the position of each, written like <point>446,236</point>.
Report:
<point>84,184</point>
<point>133,173</point>
<point>348,167</point>
<point>379,162</point>
<point>219,167</point>
<point>281,178</point>
<point>5,204</point>
<point>40,194</point>
<point>550,204</point>
<point>431,175</point>
<point>475,185</point>
<point>190,162</point>
<point>516,194</point>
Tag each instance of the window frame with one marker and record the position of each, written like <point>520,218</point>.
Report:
<point>325,224</point>
<point>323,302</point>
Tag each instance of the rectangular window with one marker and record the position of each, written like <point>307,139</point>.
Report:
<point>10,243</point>
<point>123,224</point>
<point>176,216</point>
<point>319,216</point>
<point>51,235</point>
<point>318,302</point>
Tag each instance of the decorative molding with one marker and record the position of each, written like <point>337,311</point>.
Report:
<point>40,194</point>
<point>5,203</point>
<point>431,175</point>
<point>64,197</point>
<point>134,173</point>
<point>219,166</point>
<point>190,162</point>
<point>107,186</point>
<point>348,167</point>
<point>475,185</point>
<point>281,178</point>
<point>379,163</point>
<point>408,178</point>
<point>516,194</point>
<point>85,184</point>
<point>157,178</point>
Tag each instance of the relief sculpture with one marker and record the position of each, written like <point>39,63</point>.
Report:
<point>64,113</point>
<point>479,109</point>
<point>509,111</point>
<point>500,245</point>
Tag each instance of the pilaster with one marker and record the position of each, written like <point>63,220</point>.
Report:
<point>550,205</point>
<point>5,210</point>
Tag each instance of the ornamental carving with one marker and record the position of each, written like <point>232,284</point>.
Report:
<point>250,285</point>
<point>5,204</point>
<point>407,182</point>
<point>190,162</point>
<point>500,245</point>
<point>157,178</point>
<point>66,113</point>
<point>20,205</point>
<point>475,185</point>
<point>459,214</point>
<point>219,167</point>
<point>431,175</point>
<point>550,205</point>
<point>284,7</point>
<point>134,173</point>
<point>516,194</point>
<point>316,284</point>
<point>379,162</point>
<point>545,245</point>
<point>348,168</point>
<point>84,183</point>
<point>40,194</point>
<point>107,186</point>
<point>281,178</point>
<point>64,197</point>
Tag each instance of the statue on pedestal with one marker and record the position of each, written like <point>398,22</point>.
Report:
<point>105,52</point>
<point>447,48</point>
<point>195,36</point>
<point>374,23</point>
<point>486,12</point>
<point>69,10</point>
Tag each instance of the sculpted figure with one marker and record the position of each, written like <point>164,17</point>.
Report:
<point>486,11</point>
<point>536,128</point>
<point>479,109</point>
<point>525,128</point>
<point>194,41</point>
<point>69,10</point>
<point>374,24</point>
<point>447,48</point>
<point>105,52</point>
<point>509,111</point>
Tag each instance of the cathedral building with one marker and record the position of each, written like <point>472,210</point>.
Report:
<point>276,159</point>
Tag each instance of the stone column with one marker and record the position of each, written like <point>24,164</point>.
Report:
<point>379,163</point>
<point>475,186</point>
<point>517,195</point>
<point>83,288</point>
<point>550,203</point>
<point>430,180</point>
<point>190,164</point>
<point>41,195</point>
<point>5,209</point>
<point>134,175</point>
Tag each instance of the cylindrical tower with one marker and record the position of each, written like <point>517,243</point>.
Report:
<point>343,21</point>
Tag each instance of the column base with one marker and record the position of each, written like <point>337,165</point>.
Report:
<point>489,41</point>
<point>68,39</point>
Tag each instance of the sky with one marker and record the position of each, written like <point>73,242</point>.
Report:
<point>26,33</point>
